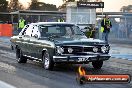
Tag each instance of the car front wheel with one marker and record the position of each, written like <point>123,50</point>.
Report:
<point>97,64</point>
<point>20,58</point>
<point>48,64</point>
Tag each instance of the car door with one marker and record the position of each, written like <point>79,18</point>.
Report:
<point>34,44</point>
<point>26,35</point>
<point>20,39</point>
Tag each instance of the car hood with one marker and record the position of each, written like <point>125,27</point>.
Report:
<point>77,41</point>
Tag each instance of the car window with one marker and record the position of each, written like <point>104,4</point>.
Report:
<point>69,31</point>
<point>53,30</point>
<point>24,30</point>
<point>35,32</point>
<point>59,30</point>
<point>77,30</point>
<point>28,31</point>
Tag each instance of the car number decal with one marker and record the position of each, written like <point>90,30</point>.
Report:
<point>82,59</point>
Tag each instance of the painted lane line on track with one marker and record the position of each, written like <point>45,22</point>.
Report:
<point>5,85</point>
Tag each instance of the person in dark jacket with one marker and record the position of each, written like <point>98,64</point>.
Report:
<point>105,28</point>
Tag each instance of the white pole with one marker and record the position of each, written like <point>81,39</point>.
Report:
<point>102,13</point>
<point>100,34</point>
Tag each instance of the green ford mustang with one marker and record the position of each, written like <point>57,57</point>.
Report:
<point>58,42</point>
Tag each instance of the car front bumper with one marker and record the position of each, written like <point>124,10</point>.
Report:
<point>80,58</point>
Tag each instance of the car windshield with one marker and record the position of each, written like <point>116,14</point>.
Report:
<point>59,30</point>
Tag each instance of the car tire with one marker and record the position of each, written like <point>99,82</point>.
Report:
<point>97,64</point>
<point>19,56</point>
<point>48,64</point>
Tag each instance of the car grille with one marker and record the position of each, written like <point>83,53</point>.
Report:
<point>76,49</point>
<point>80,49</point>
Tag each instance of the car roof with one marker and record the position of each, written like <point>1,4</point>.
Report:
<point>40,23</point>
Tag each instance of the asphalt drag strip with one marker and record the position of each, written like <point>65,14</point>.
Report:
<point>32,75</point>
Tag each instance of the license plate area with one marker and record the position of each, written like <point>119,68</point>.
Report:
<point>83,59</point>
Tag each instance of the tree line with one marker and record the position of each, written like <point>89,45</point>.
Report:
<point>15,5</point>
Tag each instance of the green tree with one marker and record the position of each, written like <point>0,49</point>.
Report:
<point>63,6</point>
<point>35,5</point>
<point>3,5</point>
<point>15,5</point>
<point>126,8</point>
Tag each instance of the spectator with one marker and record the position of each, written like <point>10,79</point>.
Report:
<point>21,24</point>
<point>105,28</point>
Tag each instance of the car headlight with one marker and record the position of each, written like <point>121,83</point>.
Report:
<point>70,50</point>
<point>95,49</point>
<point>104,49</point>
<point>60,50</point>
<point>108,48</point>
